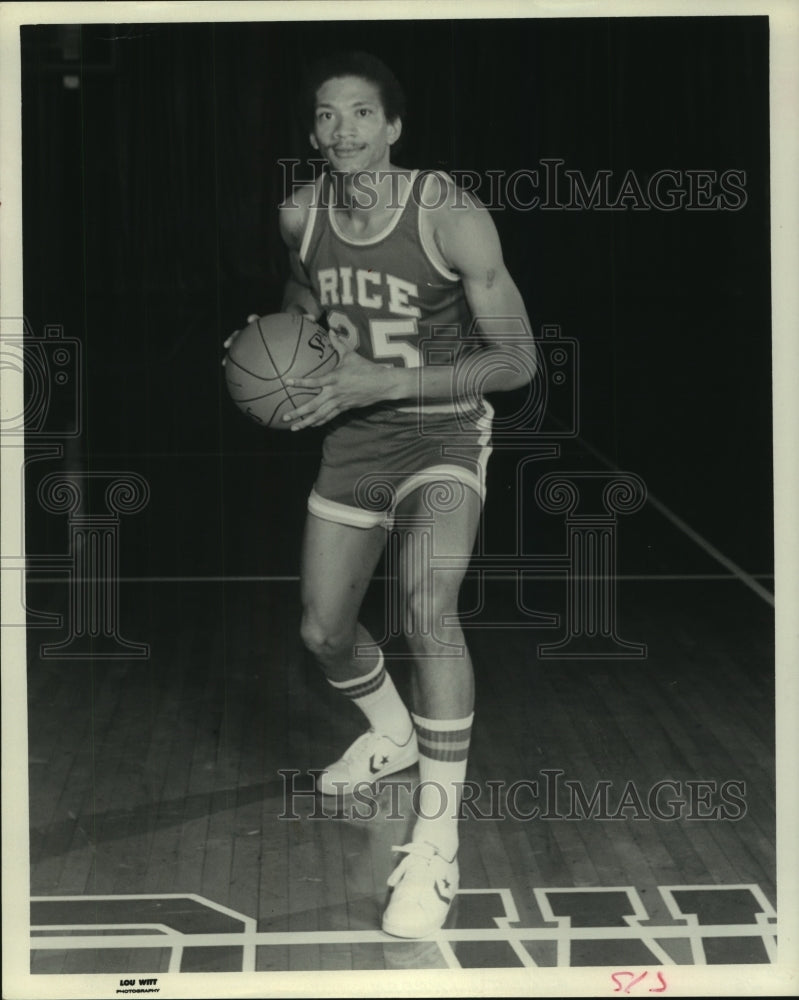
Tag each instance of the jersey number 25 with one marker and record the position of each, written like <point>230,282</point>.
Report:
<point>390,338</point>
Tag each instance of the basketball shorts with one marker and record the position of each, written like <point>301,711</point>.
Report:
<point>372,461</point>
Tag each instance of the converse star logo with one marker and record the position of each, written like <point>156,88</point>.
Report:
<point>442,896</point>
<point>382,764</point>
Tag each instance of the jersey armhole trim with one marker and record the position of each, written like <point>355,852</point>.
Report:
<point>311,220</point>
<point>427,243</point>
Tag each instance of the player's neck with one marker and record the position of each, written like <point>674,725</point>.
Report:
<point>371,193</point>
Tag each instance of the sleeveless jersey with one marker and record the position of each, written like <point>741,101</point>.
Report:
<point>397,302</point>
<point>390,294</point>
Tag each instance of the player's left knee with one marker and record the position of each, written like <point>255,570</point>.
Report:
<point>428,614</point>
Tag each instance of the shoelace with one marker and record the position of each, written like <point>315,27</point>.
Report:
<point>360,747</point>
<point>415,852</point>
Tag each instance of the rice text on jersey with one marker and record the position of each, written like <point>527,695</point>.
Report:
<point>368,289</point>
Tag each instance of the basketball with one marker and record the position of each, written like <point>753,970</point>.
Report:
<point>265,354</point>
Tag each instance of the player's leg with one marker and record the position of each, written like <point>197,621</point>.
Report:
<point>338,561</point>
<point>427,879</point>
<point>443,677</point>
<point>336,567</point>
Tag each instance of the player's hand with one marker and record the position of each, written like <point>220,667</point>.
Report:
<point>250,319</point>
<point>354,382</point>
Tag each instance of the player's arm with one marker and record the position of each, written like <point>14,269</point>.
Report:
<point>298,295</point>
<point>467,239</point>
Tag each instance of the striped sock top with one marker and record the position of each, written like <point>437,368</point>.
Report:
<point>366,684</point>
<point>444,739</point>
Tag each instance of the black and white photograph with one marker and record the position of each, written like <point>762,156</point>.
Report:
<point>398,552</point>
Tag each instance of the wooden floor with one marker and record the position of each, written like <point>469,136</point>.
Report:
<point>160,790</point>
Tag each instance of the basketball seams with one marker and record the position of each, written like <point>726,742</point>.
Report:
<point>260,395</point>
<point>271,356</point>
<point>261,378</point>
<point>272,359</point>
<point>273,384</point>
<point>321,364</point>
<point>277,411</point>
<point>286,365</point>
<point>297,340</point>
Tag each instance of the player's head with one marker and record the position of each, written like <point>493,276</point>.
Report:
<point>355,109</point>
<point>366,67</point>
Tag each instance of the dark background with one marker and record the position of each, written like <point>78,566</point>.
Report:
<point>150,232</point>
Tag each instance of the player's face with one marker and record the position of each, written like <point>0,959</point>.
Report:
<point>350,126</point>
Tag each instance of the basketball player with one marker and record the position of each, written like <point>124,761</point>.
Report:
<point>388,255</point>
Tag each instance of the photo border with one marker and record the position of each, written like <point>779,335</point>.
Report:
<point>747,980</point>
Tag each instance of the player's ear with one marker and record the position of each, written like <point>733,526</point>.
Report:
<point>394,131</point>
<point>313,141</point>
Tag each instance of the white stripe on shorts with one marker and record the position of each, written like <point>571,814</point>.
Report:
<point>342,513</point>
<point>357,517</point>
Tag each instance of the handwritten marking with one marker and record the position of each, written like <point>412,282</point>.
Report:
<point>634,980</point>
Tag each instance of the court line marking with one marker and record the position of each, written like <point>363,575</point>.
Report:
<point>770,937</point>
<point>689,532</point>
<point>508,934</point>
<point>511,917</point>
<point>562,934</point>
<point>762,919</point>
<point>712,551</point>
<point>633,919</point>
<point>647,939</point>
<point>448,954</point>
<point>46,929</point>
<point>177,940</point>
<point>667,892</point>
<point>517,948</point>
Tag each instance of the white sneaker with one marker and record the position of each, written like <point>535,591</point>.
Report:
<point>424,885</point>
<point>371,757</point>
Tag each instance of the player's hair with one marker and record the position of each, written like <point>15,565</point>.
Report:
<point>360,64</point>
